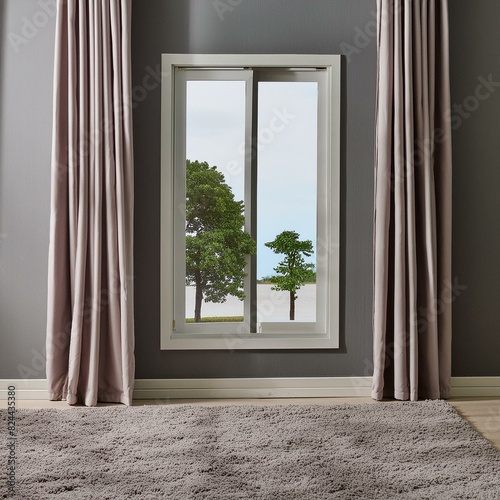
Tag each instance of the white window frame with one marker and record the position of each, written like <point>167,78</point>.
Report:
<point>175,333</point>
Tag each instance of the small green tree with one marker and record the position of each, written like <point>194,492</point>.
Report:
<point>216,244</point>
<point>293,271</point>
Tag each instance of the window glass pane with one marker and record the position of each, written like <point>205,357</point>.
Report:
<point>286,193</point>
<point>215,134</point>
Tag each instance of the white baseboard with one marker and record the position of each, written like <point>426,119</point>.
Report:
<point>293,387</point>
<point>221,388</point>
<point>242,388</point>
<point>25,388</point>
<point>475,387</point>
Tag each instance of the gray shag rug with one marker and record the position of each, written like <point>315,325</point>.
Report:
<point>367,451</point>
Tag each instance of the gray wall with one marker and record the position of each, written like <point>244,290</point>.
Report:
<point>293,26</point>
<point>258,26</point>
<point>25,143</point>
<point>475,50</point>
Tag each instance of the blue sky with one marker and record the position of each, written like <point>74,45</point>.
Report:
<point>287,131</point>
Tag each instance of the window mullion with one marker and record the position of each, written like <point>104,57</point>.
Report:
<point>251,199</point>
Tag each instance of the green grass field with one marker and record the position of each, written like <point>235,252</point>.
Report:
<point>218,319</point>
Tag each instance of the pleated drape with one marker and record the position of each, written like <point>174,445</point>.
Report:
<point>90,327</point>
<point>412,226</point>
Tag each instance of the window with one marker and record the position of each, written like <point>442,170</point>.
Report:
<point>250,201</point>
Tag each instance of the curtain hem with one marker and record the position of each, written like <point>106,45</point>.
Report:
<point>109,397</point>
<point>405,396</point>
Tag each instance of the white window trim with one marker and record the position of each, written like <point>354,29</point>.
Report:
<point>233,335</point>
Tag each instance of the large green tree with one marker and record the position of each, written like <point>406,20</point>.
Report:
<point>293,271</point>
<point>216,243</point>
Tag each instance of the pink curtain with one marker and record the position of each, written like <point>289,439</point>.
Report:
<point>90,327</point>
<point>412,226</point>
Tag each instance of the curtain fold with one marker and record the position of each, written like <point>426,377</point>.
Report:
<point>412,223</point>
<point>90,319</point>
